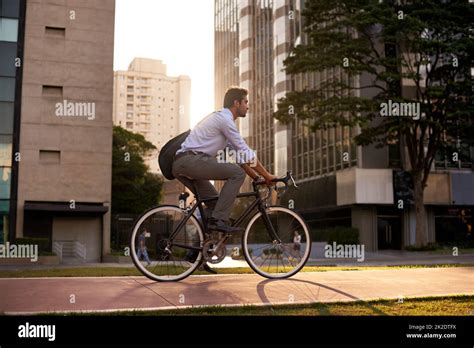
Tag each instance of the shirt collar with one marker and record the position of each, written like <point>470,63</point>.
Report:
<point>227,112</point>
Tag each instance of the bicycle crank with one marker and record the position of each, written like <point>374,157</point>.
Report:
<point>213,251</point>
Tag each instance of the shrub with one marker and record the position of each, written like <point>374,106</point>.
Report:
<point>427,247</point>
<point>241,254</point>
<point>43,243</point>
<point>272,251</point>
<point>340,235</point>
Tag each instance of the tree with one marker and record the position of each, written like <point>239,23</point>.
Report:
<point>134,189</point>
<point>426,44</point>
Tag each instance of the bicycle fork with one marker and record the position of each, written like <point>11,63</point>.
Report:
<point>269,225</point>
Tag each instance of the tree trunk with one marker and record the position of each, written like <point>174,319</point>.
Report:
<point>420,212</point>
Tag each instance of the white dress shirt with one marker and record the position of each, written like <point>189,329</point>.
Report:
<point>216,132</point>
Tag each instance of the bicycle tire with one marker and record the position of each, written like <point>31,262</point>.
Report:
<point>252,261</point>
<point>133,245</point>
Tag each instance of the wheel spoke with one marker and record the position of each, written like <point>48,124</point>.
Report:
<point>178,261</point>
<point>285,258</point>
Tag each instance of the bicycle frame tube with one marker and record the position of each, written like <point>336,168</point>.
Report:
<point>240,195</point>
<point>247,212</point>
<point>261,208</point>
<point>182,222</point>
<point>255,204</point>
<point>189,247</point>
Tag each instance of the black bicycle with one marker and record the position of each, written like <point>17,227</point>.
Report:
<point>276,242</point>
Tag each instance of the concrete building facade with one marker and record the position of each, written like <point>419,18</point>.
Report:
<point>148,102</point>
<point>62,125</point>
<point>340,183</point>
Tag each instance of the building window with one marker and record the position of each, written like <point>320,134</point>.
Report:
<point>50,156</point>
<point>6,150</point>
<point>52,91</point>
<point>55,32</point>
<point>7,89</point>
<point>10,9</point>
<point>129,125</point>
<point>5,178</point>
<point>8,29</point>
<point>7,57</point>
<point>6,118</point>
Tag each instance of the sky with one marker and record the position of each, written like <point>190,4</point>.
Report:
<point>178,32</point>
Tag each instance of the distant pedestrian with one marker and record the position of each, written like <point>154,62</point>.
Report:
<point>297,243</point>
<point>142,247</point>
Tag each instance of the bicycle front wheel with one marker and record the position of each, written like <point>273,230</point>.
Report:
<point>282,255</point>
<point>161,250</point>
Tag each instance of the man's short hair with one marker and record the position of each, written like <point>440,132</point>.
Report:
<point>234,93</point>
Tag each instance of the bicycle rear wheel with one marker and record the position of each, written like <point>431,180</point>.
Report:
<point>281,257</point>
<point>169,259</point>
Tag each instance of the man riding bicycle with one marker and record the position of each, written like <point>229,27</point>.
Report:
<point>196,160</point>
<point>276,241</point>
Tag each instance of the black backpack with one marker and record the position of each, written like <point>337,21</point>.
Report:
<point>167,153</point>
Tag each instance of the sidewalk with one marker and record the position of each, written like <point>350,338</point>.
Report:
<point>96,294</point>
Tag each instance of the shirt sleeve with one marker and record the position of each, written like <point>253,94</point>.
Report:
<point>244,153</point>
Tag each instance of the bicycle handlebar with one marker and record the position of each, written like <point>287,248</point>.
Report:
<point>284,180</point>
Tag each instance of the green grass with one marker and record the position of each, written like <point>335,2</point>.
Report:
<point>442,249</point>
<point>132,271</point>
<point>461,305</point>
<point>449,251</point>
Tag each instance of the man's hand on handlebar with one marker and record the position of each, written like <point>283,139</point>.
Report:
<point>272,180</point>
<point>269,180</point>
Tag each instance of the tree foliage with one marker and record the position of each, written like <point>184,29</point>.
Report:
<point>134,189</point>
<point>402,51</point>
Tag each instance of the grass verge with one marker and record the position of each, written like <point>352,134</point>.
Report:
<point>132,271</point>
<point>461,305</point>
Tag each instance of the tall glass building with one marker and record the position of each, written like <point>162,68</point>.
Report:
<point>340,183</point>
<point>11,48</point>
<point>226,48</point>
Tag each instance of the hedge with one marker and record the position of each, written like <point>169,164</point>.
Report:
<point>340,235</point>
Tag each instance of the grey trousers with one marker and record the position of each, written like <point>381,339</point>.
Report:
<point>200,169</point>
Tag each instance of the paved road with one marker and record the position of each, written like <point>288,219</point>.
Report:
<point>33,295</point>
